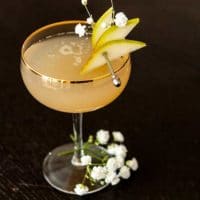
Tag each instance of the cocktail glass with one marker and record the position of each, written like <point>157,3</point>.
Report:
<point>46,56</point>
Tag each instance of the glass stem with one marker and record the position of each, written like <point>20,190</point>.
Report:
<point>78,138</point>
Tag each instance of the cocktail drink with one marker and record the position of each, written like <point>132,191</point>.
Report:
<point>51,72</point>
<point>74,74</point>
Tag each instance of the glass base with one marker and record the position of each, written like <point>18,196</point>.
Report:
<point>62,175</point>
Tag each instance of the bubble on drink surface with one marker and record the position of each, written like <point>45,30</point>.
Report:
<point>78,60</point>
<point>66,50</point>
<point>76,49</point>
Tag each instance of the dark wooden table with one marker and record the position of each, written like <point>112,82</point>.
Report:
<point>158,112</point>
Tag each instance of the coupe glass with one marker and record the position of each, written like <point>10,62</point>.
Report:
<point>76,96</point>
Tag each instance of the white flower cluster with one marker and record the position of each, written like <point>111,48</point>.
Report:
<point>103,136</point>
<point>81,189</point>
<point>118,150</point>
<point>84,2</point>
<point>120,20</point>
<point>90,20</point>
<point>115,167</point>
<point>86,160</point>
<point>80,30</point>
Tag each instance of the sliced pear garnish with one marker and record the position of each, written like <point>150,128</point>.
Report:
<point>117,33</point>
<point>98,30</point>
<point>114,50</point>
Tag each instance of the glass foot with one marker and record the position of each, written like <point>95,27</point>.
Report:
<point>62,175</point>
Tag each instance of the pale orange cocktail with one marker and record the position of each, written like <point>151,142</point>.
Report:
<point>57,82</point>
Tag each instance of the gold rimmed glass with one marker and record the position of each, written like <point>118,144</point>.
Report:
<point>45,64</point>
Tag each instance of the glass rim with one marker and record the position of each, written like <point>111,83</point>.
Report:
<point>43,76</point>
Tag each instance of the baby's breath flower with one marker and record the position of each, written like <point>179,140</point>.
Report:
<point>102,182</point>
<point>132,164</point>
<point>125,172</point>
<point>80,30</point>
<point>121,151</point>
<point>90,20</point>
<point>115,181</point>
<point>120,19</point>
<point>120,161</point>
<point>81,189</point>
<point>117,150</point>
<point>86,160</point>
<point>84,2</point>
<point>113,168</point>
<point>111,149</point>
<point>103,136</point>
<point>118,136</point>
<point>112,164</point>
<point>98,173</point>
<point>111,175</point>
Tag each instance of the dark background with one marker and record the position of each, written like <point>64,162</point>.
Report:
<point>158,112</point>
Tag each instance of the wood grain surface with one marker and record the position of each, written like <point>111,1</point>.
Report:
<point>158,111</point>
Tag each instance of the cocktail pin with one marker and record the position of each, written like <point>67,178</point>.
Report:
<point>115,79</point>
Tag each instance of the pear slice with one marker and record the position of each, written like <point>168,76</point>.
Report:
<point>97,29</point>
<point>116,33</point>
<point>114,50</point>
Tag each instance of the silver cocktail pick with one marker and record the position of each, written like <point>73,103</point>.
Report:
<point>115,79</point>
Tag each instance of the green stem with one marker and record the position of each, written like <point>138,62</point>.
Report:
<point>93,155</point>
<point>64,153</point>
<point>95,164</point>
<point>86,174</point>
<point>88,12</point>
<point>84,178</point>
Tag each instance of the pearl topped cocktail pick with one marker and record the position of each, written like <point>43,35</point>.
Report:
<point>115,79</point>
